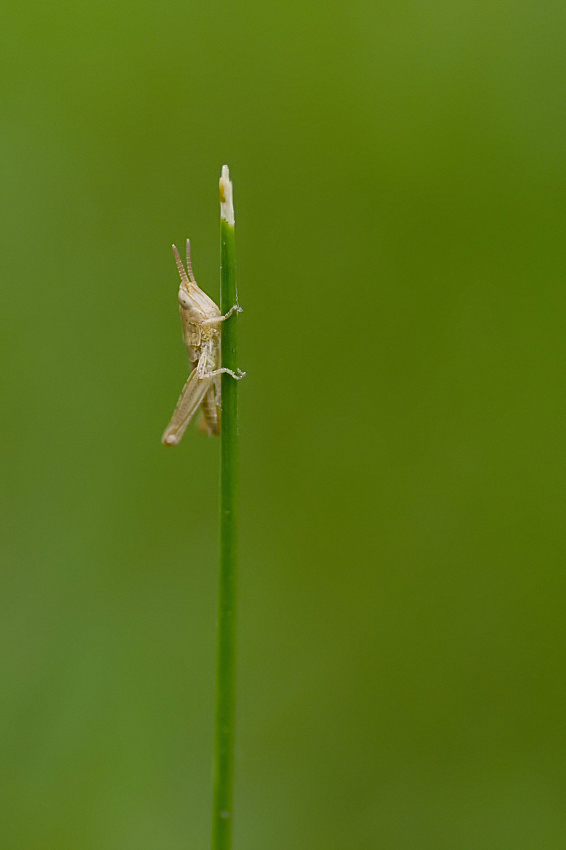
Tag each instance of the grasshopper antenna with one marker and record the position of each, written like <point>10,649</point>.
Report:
<point>180,266</point>
<point>189,265</point>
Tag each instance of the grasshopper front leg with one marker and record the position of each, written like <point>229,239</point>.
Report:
<point>215,320</point>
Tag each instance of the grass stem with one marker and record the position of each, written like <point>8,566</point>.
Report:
<point>226,649</point>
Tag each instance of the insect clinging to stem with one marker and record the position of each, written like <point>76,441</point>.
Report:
<point>201,319</point>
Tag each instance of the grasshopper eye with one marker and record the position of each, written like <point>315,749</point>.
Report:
<point>184,299</point>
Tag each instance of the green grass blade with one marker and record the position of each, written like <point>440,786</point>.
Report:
<point>226,651</point>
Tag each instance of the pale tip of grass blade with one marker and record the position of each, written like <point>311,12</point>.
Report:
<point>226,196</point>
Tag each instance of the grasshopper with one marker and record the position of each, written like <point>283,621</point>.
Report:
<point>201,320</point>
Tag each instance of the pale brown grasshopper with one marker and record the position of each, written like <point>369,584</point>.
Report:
<point>201,320</point>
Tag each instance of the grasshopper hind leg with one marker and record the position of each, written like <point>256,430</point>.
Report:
<point>190,400</point>
<point>209,422</point>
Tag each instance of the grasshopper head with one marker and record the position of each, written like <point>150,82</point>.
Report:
<point>185,299</point>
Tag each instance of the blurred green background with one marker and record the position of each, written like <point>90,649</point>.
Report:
<point>399,179</point>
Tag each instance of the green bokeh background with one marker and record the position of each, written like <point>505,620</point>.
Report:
<point>399,178</point>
